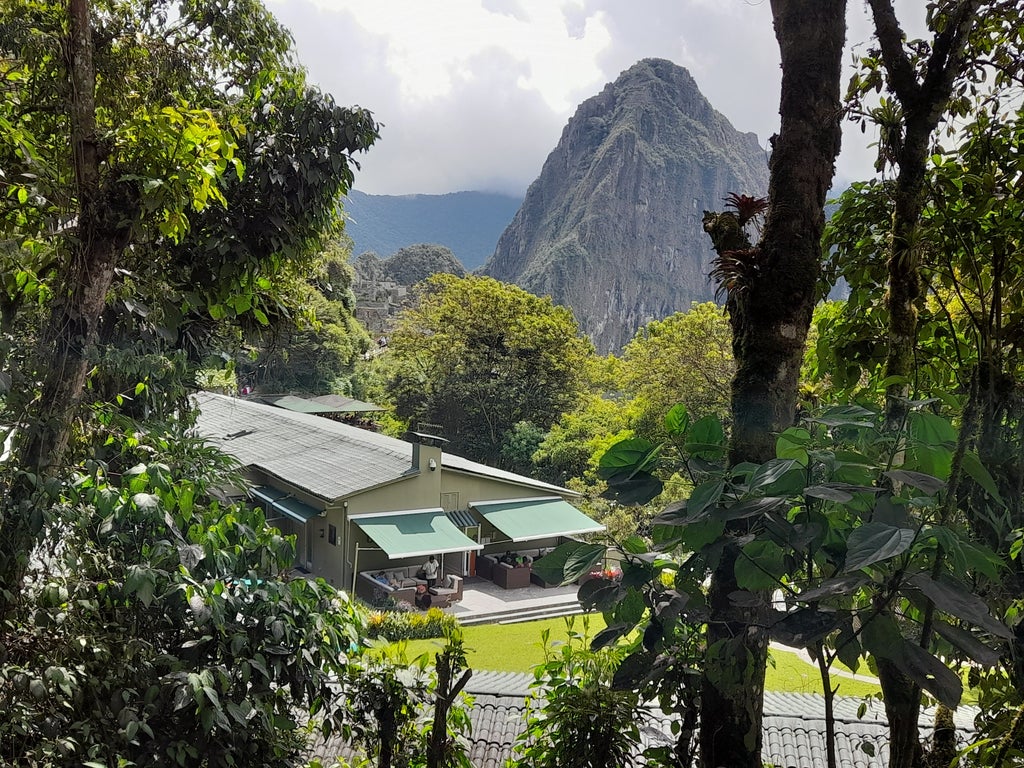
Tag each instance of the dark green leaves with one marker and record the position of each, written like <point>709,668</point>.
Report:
<point>875,542</point>
<point>953,598</point>
<point>627,467</point>
<point>568,562</point>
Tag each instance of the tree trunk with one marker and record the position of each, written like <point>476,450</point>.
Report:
<point>923,103</point>
<point>770,314</point>
<point>62,357</point>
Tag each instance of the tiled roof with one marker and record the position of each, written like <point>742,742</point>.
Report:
<point>327,458</point>
<point>793,727</point>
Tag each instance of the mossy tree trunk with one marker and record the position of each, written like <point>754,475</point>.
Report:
<point>770,307</point>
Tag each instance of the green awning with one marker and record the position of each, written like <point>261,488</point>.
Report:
<point>414,533</point>
<point>537,518</point>
<point>285,503</point>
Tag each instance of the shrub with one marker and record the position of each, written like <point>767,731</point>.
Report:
<point>404,625</point>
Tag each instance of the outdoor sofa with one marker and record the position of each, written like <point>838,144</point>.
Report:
<point>402,586</point>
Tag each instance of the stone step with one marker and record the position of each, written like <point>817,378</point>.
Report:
<point>517,615</point>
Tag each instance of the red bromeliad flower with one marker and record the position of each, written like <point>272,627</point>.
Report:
<point>746,207</point>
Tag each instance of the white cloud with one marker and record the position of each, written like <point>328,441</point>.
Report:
<point>473,94</point>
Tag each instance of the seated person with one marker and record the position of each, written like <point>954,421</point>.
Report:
<point>507,558</point>
<point>423,598</point>
<point>382,578</point>
<point>524,561</point>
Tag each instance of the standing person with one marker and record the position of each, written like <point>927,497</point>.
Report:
<point>430,570</point>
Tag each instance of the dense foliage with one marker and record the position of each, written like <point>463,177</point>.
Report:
<point>475,357</point>
<point>158,626</point>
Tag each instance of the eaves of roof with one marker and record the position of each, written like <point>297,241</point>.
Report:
<point>329,459</point>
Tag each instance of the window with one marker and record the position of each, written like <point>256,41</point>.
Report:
<point>332,535</point>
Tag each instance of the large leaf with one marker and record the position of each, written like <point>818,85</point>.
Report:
<point>630,609</point>
<point>953,598</point>
<point>677,420</point>
<point>930,484</point>
<point>750,508</point>
<point>930,673</point>
<point>703,499</point>
<point>772,471</point>
<point>839,492</point>
<point>706,439</point>
<point>609,635</point>
<point>567,562</point>
<point>968,643</point>
<point>846,416</point>
<point>600,594</point>
<point>842,585</point>
<point>875,542</point>
<point>633,487</point>
<point>760,566</point>
<point>792,444</point>
<point>631,455</point>
<point>635,669</point>
<point>803,627</point>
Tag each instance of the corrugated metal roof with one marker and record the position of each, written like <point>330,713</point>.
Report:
<point>342,404</point>
<point>327,458</point>
<point>793,727</point>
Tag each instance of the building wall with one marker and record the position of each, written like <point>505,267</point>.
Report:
<point>331,539</point>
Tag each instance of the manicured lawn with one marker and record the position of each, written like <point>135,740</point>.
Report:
<point>517,648</point>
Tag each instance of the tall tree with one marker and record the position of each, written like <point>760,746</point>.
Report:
<point>475,357</point>
<point>927,82</point>
<point>145,104</point>
<point>771,291</point>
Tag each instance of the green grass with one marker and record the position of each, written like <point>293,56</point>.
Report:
<point>517,648</point>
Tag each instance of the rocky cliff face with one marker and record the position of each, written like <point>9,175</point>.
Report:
<point>612,226</point>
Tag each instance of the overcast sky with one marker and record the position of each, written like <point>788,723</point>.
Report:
<point>473,94</point>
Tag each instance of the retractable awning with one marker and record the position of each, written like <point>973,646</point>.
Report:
<point>536,518</point>
<point>285,503</point>
<point>414,533</point>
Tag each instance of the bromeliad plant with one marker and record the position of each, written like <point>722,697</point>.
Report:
<point>850,544</point>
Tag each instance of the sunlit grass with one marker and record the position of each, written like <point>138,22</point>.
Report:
<point>517,648</point>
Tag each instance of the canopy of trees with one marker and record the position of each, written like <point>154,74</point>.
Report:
<point>475,357</point>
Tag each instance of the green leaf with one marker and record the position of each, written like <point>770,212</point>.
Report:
<point>846,416</point>
<point>750,508</point>
<point>600,594</point>
<point>968,643</point>
<point>953,598</point>
<point>792,444</point>
<point>677,420</point>
<point>567,562</point>
<point>972,466</point>
<point>841,585</point>
<point>760,566</point>
<point>630,609</point>
<point>772,471</point>
<point>706,439</point>
<point>703,499</point>
<point>875,542</point>
<point>634,545</point>
<point>930,484</point>
<point>630,455</point>
<point>930,673</point>
<point>881,637</point>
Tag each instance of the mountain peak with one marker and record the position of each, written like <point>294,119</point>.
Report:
<point>612,226</point>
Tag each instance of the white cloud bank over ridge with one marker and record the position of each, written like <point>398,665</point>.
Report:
<point>473,94</point>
